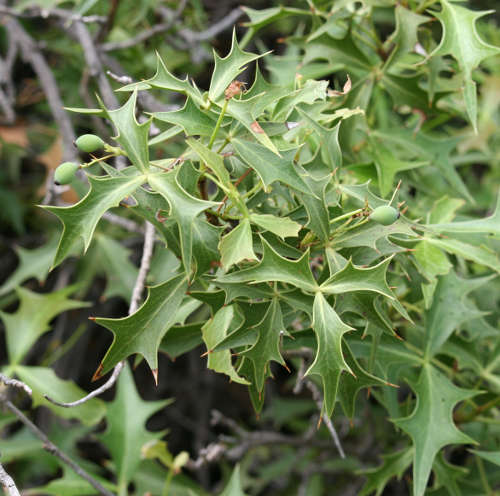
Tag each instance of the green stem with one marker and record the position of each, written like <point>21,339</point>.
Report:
<point>218,124</point>
<point>166,487</point>
<point>247,37</point>
<point>482,475</point>
<point>345,216</point>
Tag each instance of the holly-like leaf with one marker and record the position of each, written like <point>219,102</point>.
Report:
<point>353,278</point>
<point>184,208</point>
<point>393,465</point>
<point>430,425</point>
<point>228,68</point>
<point>266,348</point>
<point>491,456</point>
<point>461,40</point>
<point>237,245</point>
<point>126,432</point>
<point>447,475</point>
<point>490,224</point>
<point>32,318</point>
<point>450,309</point>
<point>269,166</point>
<point>213,160</point>
<point>80,220</point>
<point>143,331</point>
<point>132,136</point>
<point>190,118</point>
<point>273,267</point>
<point>214,331</point>
<point>263,17</point>
<point>283,227</point>
<point>329,361</point>
<point>43,381</point>
<point>32,263</point>
<point>163,79</point>
<point>405,36</point>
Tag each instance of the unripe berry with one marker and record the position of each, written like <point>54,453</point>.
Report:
<point>385,215</point>
<point>65,173</point>
<point>89,143</point>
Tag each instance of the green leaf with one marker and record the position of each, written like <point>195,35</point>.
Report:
<point>80,220</point>
<point>266,348</point>
<point>131,135</point>
<point>184,208</point>
<point>43,381</point>
<point>432,261</point>
<point>32,318</point>
<point>114,260</point>
<point>393,465</point>
<point>143,331</point>
<point>283,227</point>
<point>447,474</point>
<point>269,166</point>
<point>181,339</point>
<point>228,68</point>
<point>351,384</point>
<point>273,267</point>
<point>237,245</point>
<point>431,424</point>
<point>213,160</point>
<point>190,118</point>
<point>126,432</point>
<point>490,456</point>
<point>329,361</point>
<point>163,79</point>
<point>450,309</point>
<point>233,487</point>
<point>490,224</point>
<point>263,17</point>
<point>405,36</point>
<point>32,263</point>
<point>353,278</point>
<point>214,331</point>
<point>461,40</point>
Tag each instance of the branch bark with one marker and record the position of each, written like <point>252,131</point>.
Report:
<point>8,483</point>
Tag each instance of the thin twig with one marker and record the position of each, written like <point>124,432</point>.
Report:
<point>145,35</point>
<point>318,398</point>
<point>147,253</point>
<point>8,484</point>
<point>49,446</point>
<point>53,12</point>
<point>32,54</point>
<point>126,224</point>
<point>15,383</point>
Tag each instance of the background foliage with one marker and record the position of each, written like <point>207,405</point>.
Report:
<point>339,355</point>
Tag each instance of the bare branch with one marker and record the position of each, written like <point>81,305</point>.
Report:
<point>127,224</point>
<point>226,22</point>
<point>145,35</point>
<point>8,483</point>
<point>15,383</point>
<point>49,446</point>
<point>147,253</point>
<point>318,398</point>
<point>53,12</point>
<point>32,54</point>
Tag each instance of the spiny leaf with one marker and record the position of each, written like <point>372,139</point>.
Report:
<point>353,278</point>
<point>214,331</point>
<point>131,135</point>
<point>80,220</point>
<point>283,227</point>
<point>43,381</point>
<point>143,331</point>
<point>273,267</point>
<point>126,432</point>
<point>227,69</point>
<point>32,318</point>
<point>233,487</point>
<point>266,348</point>
<point>213,160</point>
<point>184,208</point>
<point>329,361</point>
<point>450,309</point>
<point>461,40</point>
<point>192,120</point>
<point>269,166</point>
<point>431,425</point>
<point>237,245</point>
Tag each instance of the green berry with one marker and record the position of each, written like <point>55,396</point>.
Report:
<point>65,173</point>
<point>385,215</point>
<point>89,143</point>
